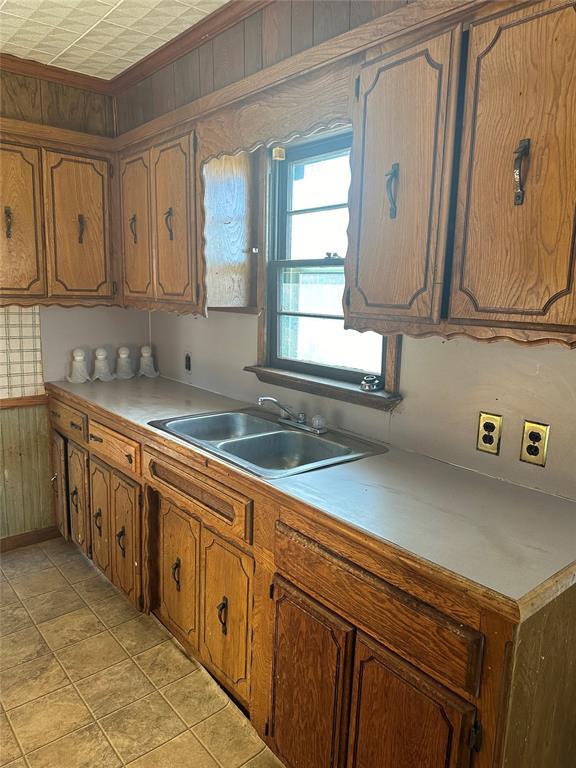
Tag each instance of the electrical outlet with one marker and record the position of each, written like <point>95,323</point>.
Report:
<point>535,443</point>
<point>489,433</point>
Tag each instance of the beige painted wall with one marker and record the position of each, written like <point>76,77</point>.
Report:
<point>445,385</point>
<point>63,329</point>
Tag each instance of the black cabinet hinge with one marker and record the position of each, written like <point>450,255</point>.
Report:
<point>197,293</point>
<point>347,296</point>
<point>114,287</point>
<point>271,592</point>
<point>357,87</point>
<point>194,142</point>
<point>111,171</point>
<point>141,602</point>
<point>266,728</point>
<point>90,551</point>
<point>141,500</point>
<point>475,739</point>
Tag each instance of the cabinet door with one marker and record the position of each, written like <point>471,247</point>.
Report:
<point>136,235</point>
<point>125,505</point>
<point>179,570</point>
<point>78,496</point>
<point>226,610</point>
<point>515,248</point>
<point>311,676</point>
<point>100,514</point>
<point>58,464</point>
<point>22,263</point>
<point>173,226</point>
<point>400,718</point>
<point>399,199</point>
<point>77,226</point>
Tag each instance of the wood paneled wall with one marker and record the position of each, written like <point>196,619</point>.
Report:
<point>23,97</point>
<point>280,30</point>
<point>25,492</point>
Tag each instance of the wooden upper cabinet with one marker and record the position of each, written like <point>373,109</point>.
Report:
<point>227,575</point>
<point>311,675</point>
<point>76,212</point>
<point>515,259</point>
<point>173,225</point>
<point>22,263</point>
<point>401,159</point>
<point>179,570</point>
<point>400,718</point>
<point>138,275</point>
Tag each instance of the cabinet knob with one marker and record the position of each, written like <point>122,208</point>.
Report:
<point>222,613</point>
<point>120,536</point>
<point>176,573</point>
<point>98,521</point>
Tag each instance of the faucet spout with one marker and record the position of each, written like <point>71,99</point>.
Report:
<point>299,418</point>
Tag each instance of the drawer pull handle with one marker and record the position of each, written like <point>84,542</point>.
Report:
<point>95,438</point>
<point>176,573</point>
<point>129,458</point>
<point>98,520</point>
<point>391,177</point>
<point>168,222</point>
<point>222,612</point>
<point>132,224</point>
<point>522,151</point>
<point>81,227</point>
<point>73,425</point>
<point>8,221</point>
<point>56,414</point>
<point>120,536</point>
<point>74,498</point>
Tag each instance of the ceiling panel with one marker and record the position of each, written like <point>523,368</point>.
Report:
<point>96,37</point>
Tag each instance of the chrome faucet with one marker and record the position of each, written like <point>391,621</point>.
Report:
<point>297,420</point>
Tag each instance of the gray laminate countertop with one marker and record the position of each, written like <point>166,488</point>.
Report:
<point>501,536</point>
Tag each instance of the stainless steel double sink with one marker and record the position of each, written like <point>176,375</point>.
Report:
<point>261,445</point>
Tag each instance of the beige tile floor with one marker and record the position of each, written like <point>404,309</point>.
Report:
<point>88,682</point>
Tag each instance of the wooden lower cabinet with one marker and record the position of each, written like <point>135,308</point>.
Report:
<point>401,718</point>
<point>58,479</point>
<point>226,618</point>
<point>78,496</point>
<point>125,511</point>
<point>100,481</point>
<point>311,676</point>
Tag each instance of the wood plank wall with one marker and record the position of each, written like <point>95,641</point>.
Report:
<point>40,101</point>
<point>25,492</point>
<point>280,30</point>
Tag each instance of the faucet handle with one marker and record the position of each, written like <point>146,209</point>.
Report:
<point>301,418</point>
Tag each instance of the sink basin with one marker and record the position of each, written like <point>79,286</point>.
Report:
<point>259,445</point>
<point>215,427</point>
<point>284,450</point>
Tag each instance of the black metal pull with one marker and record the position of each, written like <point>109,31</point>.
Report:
<point>95,438</point>
<point>74,425</point>
<point>120,536</point>
<point>391,177</point>
<point>129,458</point>
<point>176,573</point>
<point>8,221</point>
<point>222,611</point>
<point>168,221</point>
<point>522,151</point>
<point>81,227</point>
<point>98,521</point>
<point>132,224</point>
<point>55,414</point>
<point>74,498</point>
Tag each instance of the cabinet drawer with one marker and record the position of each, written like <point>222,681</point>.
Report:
<point>68,421</point>
<point>221,507</point>
<point>448,650</point>
<point>119,450</point>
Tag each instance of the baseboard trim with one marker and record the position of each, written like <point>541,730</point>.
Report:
<point>27,538</point>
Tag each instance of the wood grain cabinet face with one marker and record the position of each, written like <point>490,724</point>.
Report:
<point>58,465</point>
<point>514,260</point>
<point>76,212</point>
<point>125,510</point>
<point>136,235</point>
<point>179,570</point>
<point>227,575</point>
<point>78,499</point>
<point>22,263</point>
<point>404,124</point>
<point>173,225</point>
<point>401,719</point>
<point>311,674</point>
<point>100,496</point>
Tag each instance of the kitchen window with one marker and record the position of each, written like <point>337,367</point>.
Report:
<point>306,271</point>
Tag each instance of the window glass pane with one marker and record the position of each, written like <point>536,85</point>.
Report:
<point>314,290</point>
<point>320,182</point>
<point>325,342</point>
<point>313,235</point>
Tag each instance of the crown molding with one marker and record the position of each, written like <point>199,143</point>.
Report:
<point>27,67</point>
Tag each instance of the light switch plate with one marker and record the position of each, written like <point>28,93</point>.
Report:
<point>489,433</point>
<point>535,443</point>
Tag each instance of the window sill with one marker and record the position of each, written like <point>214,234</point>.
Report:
<point>317,385</point>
